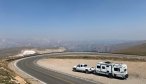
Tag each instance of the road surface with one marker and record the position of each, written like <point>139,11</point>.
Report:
<point>48,76</point>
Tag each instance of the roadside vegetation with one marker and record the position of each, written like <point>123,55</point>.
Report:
<point>7,76</point>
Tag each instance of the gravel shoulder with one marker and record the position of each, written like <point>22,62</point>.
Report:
<point>136,70</point>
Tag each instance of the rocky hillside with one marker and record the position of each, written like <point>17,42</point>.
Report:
<point>135,50</point>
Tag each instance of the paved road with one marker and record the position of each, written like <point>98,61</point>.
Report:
<point>48,76</point>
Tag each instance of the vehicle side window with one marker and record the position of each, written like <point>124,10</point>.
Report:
<point>117,69</point>
<point>78,65</point>
<point>103,67</point>
<point>98,66</point>
<point>85,65</point>
<point>81,65</point>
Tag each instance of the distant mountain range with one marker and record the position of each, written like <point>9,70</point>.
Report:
<point>77,46</point>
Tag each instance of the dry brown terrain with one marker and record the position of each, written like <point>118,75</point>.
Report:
<point>134,50</point>
<point>136,70</point>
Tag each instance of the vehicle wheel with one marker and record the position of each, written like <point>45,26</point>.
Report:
<point>74,69</point>
<point>94,72</point>
<point>115,75</point>
<point>87,71</point>
<point>125,77</point>
<point>110,75</point>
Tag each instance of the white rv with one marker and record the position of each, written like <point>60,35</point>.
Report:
<point>112,69</point>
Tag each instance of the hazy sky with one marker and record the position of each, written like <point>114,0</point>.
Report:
<point>73,19</point>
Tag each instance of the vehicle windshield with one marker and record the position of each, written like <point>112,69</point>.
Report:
<point>123,70</point>
<point>85,65</point>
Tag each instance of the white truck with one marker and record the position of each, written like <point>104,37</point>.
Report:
<point>112,69</point>
<point>83,68</point>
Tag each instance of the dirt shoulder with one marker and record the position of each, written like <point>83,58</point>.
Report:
<point>136,70</point>
<point>7,76</point>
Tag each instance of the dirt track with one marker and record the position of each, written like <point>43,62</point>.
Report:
<point>136,70</point>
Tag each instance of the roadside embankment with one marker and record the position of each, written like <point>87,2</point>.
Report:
<point>7,76</point>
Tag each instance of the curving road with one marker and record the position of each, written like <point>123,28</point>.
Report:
<point>48,76</point>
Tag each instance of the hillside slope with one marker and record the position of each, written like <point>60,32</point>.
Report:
<point>135,50</point>
<point>12,51</point>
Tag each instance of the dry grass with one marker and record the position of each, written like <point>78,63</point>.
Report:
<point>6,75</point>
<point>136,50</point>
